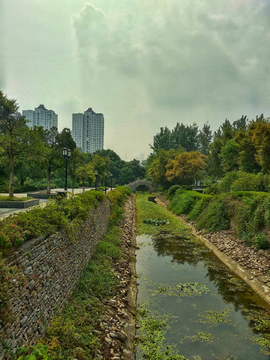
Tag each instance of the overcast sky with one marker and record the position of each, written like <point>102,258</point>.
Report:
<point>142,63</point>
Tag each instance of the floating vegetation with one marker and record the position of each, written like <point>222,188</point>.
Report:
<point>200,336</point>
<point>216,317</point>
<point>188,289</point>
<point>264,341</point>
<point>155,221</point>
<point>150,339</point>
<point>259,321</point>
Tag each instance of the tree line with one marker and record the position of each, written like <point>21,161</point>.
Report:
<point>187,154</point>
<point>32,156</point>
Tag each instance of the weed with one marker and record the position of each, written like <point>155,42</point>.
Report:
<point>151,337</point>
<point>216,317</point>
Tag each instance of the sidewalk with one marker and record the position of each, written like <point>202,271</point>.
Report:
<point>5,212</point>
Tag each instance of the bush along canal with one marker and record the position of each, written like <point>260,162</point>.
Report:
<point>190,305</point>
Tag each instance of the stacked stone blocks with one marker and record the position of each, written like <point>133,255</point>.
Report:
<point>52,267</point>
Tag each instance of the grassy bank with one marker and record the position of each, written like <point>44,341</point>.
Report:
<point>73,332</point>
<point>147,210</point>
<point>248,212</point>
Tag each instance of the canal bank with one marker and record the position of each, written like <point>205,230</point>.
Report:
<point>249,264</point>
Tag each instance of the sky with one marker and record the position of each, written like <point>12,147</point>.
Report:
<point>144,64</point>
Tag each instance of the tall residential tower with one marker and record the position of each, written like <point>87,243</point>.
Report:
<point>88,131</point>
<point>41,117</point>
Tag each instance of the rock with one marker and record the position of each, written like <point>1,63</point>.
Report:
<point>122,336</point>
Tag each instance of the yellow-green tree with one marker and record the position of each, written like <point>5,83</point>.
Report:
<point>157,169</point>
<point>261,139</point>
<point>85,173</point>
<point>186,165</point>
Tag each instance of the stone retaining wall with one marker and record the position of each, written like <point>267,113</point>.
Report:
<point>52,267</point>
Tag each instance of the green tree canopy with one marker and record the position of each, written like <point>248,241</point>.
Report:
<point>14,135</point>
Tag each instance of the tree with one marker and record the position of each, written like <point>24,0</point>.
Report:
<point>241,123</point>
<point>162,140</point>
<point>229,156</point>
<point>116,164</point>
<point>187,165</point>
<point>51,158</point>
<point>204,139</point>
<point>14,135</point>
<point>157,169</point>
<point>102,165</point>
<point>185,136</point>
<point>78,159</point>
<point>126,175</point>
<point>247,151</point>
<point>85,173</point>
<point>261,139</point>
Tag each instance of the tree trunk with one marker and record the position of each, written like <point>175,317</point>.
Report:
<point>48,182</point>
<point>72,185</point>
<point>11,176</point>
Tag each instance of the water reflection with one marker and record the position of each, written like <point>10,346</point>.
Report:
<point>192,262</point>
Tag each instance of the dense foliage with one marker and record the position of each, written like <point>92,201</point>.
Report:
<point>65,214</point>
<point>248,211</point>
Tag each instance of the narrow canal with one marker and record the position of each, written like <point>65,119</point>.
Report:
<point>211,313</point>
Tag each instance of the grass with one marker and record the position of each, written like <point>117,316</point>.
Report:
<point>148,210</point>
<point>14,198</point>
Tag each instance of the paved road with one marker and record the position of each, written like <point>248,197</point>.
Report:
<point>4,212</point>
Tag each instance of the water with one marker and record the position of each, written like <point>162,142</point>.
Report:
<point>164,263</point>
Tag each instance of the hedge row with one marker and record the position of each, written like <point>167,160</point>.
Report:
<point>56,215</point>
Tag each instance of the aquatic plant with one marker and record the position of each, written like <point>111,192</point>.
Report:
<point>200,336</point>
<point>216,317</point>
<point>155,221</point>
<point>188,289</point>
<point>151,336</point>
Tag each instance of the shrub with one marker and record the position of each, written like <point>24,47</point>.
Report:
<point>225,185</point>
<point>212,189</point>
<point>11,233</point>
<point>198,208</point>
<point>214,217</point>
<point>250,182</point>
<point>261,241</point>
<point>182,203</point>
<point>172,190</point>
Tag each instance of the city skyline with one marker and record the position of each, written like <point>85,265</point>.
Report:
<point>145,64</point>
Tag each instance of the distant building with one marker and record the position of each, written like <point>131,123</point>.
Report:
<point>41,117</point>
<point>88,130</point>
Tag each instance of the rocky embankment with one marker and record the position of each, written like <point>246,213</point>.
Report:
<point>117,329</point>
<point>251,265</point>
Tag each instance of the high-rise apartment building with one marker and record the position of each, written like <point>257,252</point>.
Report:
<point>41,117</point>
<point>88,130</point>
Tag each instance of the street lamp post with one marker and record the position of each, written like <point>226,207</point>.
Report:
<point>105,181</point>
<point>111,176</point>
<point>96,175</point>
<point>67,155</point>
